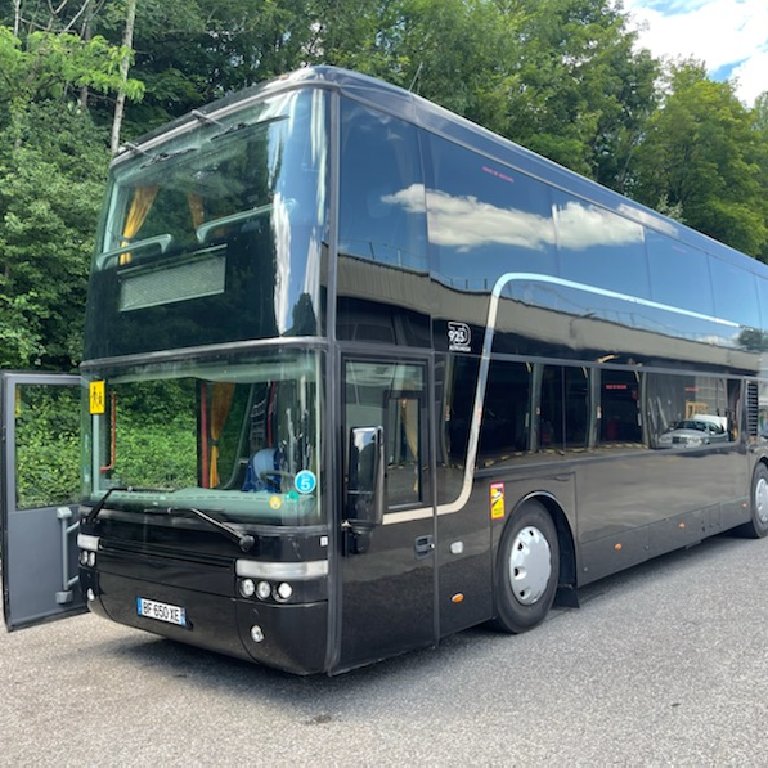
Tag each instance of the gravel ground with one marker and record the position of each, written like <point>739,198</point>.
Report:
<point>662,665</point>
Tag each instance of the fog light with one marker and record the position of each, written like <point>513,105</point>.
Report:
<point>247,587</point>
<point>91,559</point>
<point>284,591</point>
<point>263,590</point>
<point>90,594</point>
<point>256,634</point>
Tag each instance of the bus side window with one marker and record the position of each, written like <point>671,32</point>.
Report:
<point>506,422</point>
<point>677,403</point>
<point>620,422</point>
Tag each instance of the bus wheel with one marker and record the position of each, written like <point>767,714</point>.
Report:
<point>527,569</point>
<point>757,527</point>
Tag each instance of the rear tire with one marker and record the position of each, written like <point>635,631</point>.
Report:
<point>757,527</point>
<point>527,569</point>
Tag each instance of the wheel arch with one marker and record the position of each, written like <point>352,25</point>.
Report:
<point>567,581</point>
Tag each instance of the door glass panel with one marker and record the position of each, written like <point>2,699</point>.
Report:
<point>391,395</point>
<point>47,445</point>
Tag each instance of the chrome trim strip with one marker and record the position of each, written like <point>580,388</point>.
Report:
<point>256,569</point>
<point>86,541</point>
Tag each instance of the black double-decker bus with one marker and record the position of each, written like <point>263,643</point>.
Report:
<point>360,374</point>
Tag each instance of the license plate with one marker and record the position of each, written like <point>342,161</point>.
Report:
<point>152,609</point>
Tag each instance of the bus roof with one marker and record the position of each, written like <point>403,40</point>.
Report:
<point>432,117</point>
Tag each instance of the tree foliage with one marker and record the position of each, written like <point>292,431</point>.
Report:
<point>564,78</point>
<point>702,153</point>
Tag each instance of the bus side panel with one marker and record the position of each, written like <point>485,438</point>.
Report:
<point>646,504</point>
<point>465,563</point>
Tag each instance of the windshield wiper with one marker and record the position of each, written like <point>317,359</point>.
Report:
<point>245,540</point>
<point>94,513</point>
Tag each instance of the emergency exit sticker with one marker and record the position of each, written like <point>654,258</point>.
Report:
<point>497,501</point>
<point>96,392</point>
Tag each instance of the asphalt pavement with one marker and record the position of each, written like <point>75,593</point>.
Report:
<point>665,664</point>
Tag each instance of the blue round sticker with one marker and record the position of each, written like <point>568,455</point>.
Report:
<point>305,481</point>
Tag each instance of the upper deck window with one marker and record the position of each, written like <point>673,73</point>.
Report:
<point>486,219</point>
<point>215,234</point>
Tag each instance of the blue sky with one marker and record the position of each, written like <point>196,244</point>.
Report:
<point>731,36</point>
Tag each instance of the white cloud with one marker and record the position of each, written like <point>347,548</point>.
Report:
<point>466,222</point>
<point>719,32</point>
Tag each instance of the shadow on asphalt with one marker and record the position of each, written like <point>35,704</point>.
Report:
<point>319,699</point>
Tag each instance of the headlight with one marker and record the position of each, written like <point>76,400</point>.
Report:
<point>247,587</point>
<point>284,591</point>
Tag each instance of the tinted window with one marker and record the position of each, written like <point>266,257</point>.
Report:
<point>679,274</point>
<point>563,416</point>
<point>226,226</point>
<point>620,421</point>
<point>486,219</point>
<point>551,414</point>
<point>599,248</point>
<point>735,293</point>
<point>391,395</point>
<point>460,382</point>
<point>382,191</point>
<point>506,423</point>
<point>576,408</point>
<point>690,411</point>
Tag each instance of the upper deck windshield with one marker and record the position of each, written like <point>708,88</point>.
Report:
<point>238,438</point>
<point>215,234</point>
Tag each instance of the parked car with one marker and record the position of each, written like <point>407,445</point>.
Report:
<point>700,430</point>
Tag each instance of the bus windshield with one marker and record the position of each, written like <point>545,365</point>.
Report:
<point>215,233</point>
<point>239,439</point>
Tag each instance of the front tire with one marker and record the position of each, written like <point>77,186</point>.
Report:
<point>527,569</point>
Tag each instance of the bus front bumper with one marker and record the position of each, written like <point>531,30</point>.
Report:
<point>291,637</point>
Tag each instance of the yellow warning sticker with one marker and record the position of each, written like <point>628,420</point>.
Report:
<point>96,392</point>
<point>497,501</point>
<point>275,502</point>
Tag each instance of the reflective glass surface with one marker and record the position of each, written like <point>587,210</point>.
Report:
<point>382,275</point>
<point>599,248</point>
<point>486,219</point>
<point>735,293</point>
<point>216,234</point>
<point>679,274</point>
<point>238,437</point>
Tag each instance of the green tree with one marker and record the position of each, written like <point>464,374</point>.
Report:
<point>52,164</point>
<point>582,92</point>
<point>701,153</point>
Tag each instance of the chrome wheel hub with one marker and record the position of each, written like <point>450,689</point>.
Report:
<point>761,501</point>
<point>530,563</point>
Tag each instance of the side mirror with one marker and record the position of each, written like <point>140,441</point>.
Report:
<point>365,487</point>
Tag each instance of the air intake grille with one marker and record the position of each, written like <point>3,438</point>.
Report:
<point>752,408</point>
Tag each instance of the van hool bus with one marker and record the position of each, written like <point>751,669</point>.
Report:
<point>360,374</point>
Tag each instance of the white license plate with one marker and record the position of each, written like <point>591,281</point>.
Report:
<point>152,609</point>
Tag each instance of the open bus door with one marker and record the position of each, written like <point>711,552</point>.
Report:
<point>39,485</point>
